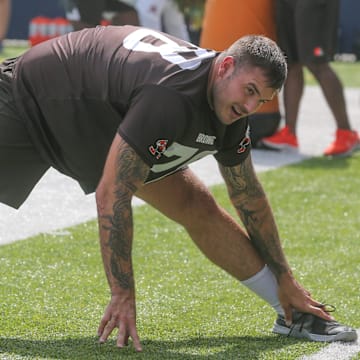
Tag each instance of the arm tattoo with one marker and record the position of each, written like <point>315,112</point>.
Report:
<point>241,180</point>
<point>249,199</point>
<point>131,168</point>
<point>120,223</point>
<point>131,171</point>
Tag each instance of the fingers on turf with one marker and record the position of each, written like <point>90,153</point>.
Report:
<point>124,334</point>
<point>105,329</point>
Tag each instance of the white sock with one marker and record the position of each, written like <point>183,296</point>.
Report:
<point>264,284</point>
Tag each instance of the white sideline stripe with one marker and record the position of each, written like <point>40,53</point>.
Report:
<point>57,202</point>
<point>336,351</point>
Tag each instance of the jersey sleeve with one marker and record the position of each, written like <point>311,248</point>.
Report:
<point>236,144</point>
<point>156,117</point>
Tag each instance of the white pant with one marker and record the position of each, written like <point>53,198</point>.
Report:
<point>162,15</point>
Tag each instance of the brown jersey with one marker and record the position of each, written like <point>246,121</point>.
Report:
<point>76,91</point>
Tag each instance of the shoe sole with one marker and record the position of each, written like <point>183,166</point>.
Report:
<point>345,336</point>
<point>344,154</point>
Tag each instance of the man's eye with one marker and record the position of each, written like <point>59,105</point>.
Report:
<point>250,91</point>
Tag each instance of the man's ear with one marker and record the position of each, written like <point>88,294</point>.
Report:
<point>226,65</point>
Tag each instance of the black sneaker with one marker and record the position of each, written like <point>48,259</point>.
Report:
<point>311,327</point>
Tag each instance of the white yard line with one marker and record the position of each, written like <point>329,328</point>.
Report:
<point>58,202</point>
<point>336,351</point>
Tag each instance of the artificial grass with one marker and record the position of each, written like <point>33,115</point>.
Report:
<point>348,73</point>
<point>12,51</point>
<point>53,288</point>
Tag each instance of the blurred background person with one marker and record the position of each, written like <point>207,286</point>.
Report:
<point>4,20</point>
<point>225,21</point>
<point>163,15</point>
<point>307,31</point>
<point>85,13</point>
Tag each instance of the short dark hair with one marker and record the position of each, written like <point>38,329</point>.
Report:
<point>259,51</point>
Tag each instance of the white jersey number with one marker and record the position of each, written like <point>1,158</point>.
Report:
<point>169,50</point>
<point>186,155</point>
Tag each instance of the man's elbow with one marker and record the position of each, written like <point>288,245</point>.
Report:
<point>108,196</point>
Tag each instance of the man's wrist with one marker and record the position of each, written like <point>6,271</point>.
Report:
<point>285,276</point>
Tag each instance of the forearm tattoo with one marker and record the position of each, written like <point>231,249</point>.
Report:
<point>120,223</point>
<point>241,180</point>
<point>250,201</point>
<point>120,226</point>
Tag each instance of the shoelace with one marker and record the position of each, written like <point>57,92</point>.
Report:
<point>327,308</point>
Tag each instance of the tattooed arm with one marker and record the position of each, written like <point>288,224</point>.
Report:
<point>250,201</point>
<point>124,172</point>
<point>251,204</point>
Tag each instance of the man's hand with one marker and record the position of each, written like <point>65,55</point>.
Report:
<point>293,296</point>
<point>120,313</point>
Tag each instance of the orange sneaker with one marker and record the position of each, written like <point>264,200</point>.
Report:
<point>283,139</point>
<point>345,143</point>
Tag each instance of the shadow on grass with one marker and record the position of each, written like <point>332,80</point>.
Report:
<point>196,348</point>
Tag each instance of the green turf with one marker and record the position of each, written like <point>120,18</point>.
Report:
<point>349,74</point>
<point>53,289</point>
<point>11,51</point>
